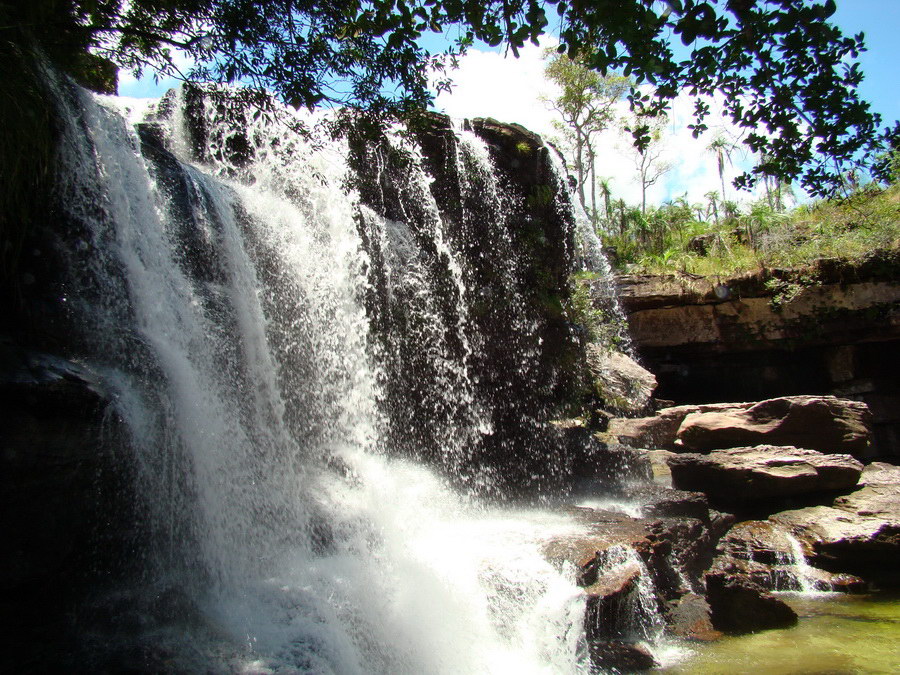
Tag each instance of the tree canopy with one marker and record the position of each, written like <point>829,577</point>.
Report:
<point>778,68</point>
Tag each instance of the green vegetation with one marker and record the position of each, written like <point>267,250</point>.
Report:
<point>777,65</point>
<point>599,326</point>
<point>679,237</point>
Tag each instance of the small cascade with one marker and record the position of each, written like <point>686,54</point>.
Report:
<point>777,552</point>
<point>809,580</point>
<point>622,608</point>
<point>638,617</point>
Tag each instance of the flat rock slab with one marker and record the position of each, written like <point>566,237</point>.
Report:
<point>660,431</point>
<point>824,423</point>
<point>763,472</point>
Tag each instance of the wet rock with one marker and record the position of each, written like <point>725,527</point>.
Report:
<point>859,533</point>
<point>689,617</point>
<point>675,551</point>
<point>619,380</point>
<point>740,606</point>
<point>600,531</point>
<point>70,519</point>
<point>823,423</point>
<point>617,656</point>
<point>597,465</point>
<point>763,473</point>
<point>766,554</point>
<point>51,469</point>
<point>613,609</point>
<point>663,502</point>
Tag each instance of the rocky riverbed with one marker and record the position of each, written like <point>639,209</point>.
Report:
<point>748,500</point>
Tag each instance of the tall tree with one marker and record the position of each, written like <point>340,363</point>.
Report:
<point>648,159</point>
<point>586,106</point>
<point>604,185</point>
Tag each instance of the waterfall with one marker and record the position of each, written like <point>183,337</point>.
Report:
<point>322,372</point>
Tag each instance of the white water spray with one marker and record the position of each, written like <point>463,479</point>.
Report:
<point>230,320</point>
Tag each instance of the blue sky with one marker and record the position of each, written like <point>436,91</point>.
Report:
<point>880,21</point>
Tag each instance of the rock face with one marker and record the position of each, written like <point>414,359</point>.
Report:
<point>759,474</point>
<point>585,463</point>
<point>509,227</point>
<point>823,423</point>
<point>833,328</point>
<point>69,513</point>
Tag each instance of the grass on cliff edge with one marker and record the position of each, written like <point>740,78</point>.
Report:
<point>761,238</point>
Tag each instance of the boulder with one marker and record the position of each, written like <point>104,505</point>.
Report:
<point>660,431</point>
<point>616,616</point>
<point>621,382</point>
<point>859,533</point>
<point>763,473</point>
<point>740,606</point>
<point>824,423</point>
<point>612,599</point>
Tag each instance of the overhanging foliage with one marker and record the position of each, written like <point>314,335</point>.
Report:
<point>785,74</point>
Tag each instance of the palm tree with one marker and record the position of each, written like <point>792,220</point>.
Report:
<point>722,149</point>
<point>605,188</point>
<point>713,198</point>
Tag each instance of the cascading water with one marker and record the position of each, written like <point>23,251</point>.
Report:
<point>284,350</point>
<point>596,268</point>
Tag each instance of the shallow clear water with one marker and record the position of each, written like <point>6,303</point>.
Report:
<point>836,634</point>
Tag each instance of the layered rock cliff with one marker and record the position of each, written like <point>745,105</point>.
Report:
<point>833,328</point>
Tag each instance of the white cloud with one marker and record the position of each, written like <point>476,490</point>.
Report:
<point>491,84</point>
